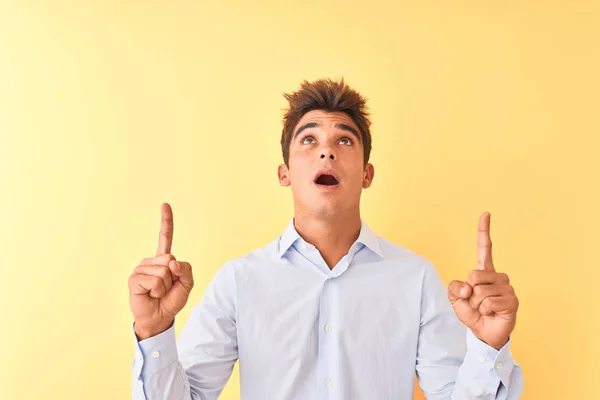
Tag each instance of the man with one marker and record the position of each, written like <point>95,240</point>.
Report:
<point>328,310</point>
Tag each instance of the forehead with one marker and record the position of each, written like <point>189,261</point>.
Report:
<point>326,119</point>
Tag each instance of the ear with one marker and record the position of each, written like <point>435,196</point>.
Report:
<point>282,173</point>
<point>369,174</point>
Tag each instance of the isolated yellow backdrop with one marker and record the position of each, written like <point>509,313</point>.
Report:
<point>108,108</point>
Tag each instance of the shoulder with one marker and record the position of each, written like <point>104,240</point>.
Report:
<point>394,251</point>
<point>403,257</point>
<point>262,256</point>
<point>267,253</point>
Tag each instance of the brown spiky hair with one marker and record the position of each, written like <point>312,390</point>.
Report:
<point>330,96</point>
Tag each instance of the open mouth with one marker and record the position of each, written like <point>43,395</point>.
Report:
<point>326,178</point>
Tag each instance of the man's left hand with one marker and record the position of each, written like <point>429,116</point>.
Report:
<point>486,303</point>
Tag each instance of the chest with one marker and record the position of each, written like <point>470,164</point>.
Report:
<point>298,310</point>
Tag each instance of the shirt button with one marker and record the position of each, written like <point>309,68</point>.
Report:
<point>304,246</point>
<point>499,364</point>
<point>481,359</point>
<point>155,354</point>
<point>327,382</point>
<point>328,328</point>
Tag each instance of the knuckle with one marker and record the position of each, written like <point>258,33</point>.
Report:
<point>157,286</point>
<point>163,272</point>
<point>474,303</point>
<point>485,306</point>
<point>137,268</point>
<point>131,281</point>
<point>156,281</point>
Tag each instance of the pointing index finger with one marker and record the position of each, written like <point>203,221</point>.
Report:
<point>484,243</point>
<point>165,237</point>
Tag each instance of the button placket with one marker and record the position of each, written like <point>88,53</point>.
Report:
<point>326,340</point>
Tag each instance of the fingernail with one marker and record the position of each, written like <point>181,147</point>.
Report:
<point>463,291</point>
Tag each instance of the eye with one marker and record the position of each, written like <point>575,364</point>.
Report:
<point>308,140</point>
<point>346,141</point>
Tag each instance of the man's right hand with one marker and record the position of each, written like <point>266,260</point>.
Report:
<point>160,286</point>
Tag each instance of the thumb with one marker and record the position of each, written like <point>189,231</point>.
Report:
<point>178,295</point>
<point>459,290</point>
<point>183,271</point>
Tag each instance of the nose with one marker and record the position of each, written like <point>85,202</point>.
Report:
<point>331,156</point>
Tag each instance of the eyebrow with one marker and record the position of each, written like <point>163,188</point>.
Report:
<point>342,127</point>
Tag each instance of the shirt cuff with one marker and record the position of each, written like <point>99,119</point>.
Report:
<point>501,361</point>
<point>155,353</point>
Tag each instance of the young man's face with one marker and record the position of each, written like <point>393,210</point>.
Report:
<point>326,164</point>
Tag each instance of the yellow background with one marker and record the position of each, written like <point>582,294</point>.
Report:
<point>108,108</point>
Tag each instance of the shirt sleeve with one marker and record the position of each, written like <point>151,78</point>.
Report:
<point>157,369</point>
<point>200,362</point>
<point>452,363</point>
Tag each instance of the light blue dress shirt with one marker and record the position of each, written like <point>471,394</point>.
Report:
<point>302,331</point>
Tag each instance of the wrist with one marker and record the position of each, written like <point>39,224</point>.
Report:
<point>494,341</point>
<point>143,332</point>
<point>496,344</point>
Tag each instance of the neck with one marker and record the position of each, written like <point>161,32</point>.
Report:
<point>332,235</point>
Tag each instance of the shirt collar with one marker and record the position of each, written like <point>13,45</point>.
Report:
<point>288,238</point>
<point>369,239</point>
<point>365,237</point>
